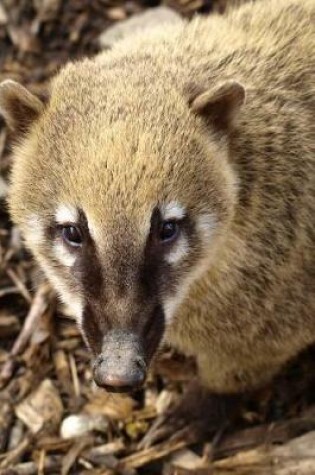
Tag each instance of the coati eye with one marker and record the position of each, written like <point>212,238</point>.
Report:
<point>71,235</point>
<point>169,231</point>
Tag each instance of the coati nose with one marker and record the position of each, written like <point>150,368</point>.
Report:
<point>115,375</point>
<point>121,365</point>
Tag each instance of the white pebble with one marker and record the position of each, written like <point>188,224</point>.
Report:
<point>81,424</point>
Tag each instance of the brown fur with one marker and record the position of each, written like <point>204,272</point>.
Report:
<point>137,126</point>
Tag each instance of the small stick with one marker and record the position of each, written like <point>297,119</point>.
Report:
<point>37,309</point>
<point>74,374</point>
<point>52,464</point>
<point>7,256</point>
<point>156,452</point>
<point>41,462</point>
<point>8,290</point>
<point>16,454</point>
<point>19,284</point>
<point>276,433</point>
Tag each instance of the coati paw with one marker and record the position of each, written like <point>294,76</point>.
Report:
<point>199,414</point>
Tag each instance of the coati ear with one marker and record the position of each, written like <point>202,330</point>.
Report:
<point>220,104</point>
<point>18,106</point>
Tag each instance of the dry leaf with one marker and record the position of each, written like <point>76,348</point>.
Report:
<point>42,409</point>
<point>114,406</point>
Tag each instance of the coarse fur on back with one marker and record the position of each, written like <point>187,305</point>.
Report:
<point>185,160</point>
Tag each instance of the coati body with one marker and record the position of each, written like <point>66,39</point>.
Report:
<point>167,189</point>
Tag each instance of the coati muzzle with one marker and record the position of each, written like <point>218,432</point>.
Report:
<point>121,365</point>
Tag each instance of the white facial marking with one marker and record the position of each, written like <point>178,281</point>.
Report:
<point>35,236</point>
<point>71,299</point>
<point>205,226</point>
<point>172,210</point>
<point>63,255</point>
<point>66,214</point>
<point>179,251</point>
<point>173,302</point>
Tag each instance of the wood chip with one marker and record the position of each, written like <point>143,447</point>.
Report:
<point>9,324</point>
<point>63,371</point>
<point>114,406</point>
<point>42,409</point>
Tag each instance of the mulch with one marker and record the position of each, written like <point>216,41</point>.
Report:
<point>52,418</point>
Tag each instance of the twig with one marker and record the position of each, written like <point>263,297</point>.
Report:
<point>295,457</point>
<point>52,464</point>
<point>6,417</point>
<point>74,374</point>
<point>19,284</point>
<point>156,452</point>
<point>74,453</point>
<point>37,309</point>
<point>41,462</point>
<point>8,291</point>
<point>16,454</point>
<point>278,432</point>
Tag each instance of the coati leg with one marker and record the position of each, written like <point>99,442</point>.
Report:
<point>197,415</point>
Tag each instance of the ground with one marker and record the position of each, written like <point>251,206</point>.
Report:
<point>52,419</point>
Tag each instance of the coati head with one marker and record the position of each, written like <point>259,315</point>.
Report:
<point>123,191</point>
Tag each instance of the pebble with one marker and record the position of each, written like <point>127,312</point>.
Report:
<point>140,21</point>
<point>77,425</point>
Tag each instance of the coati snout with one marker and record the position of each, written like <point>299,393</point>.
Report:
<point>123,349</point>
<point>121,366</point>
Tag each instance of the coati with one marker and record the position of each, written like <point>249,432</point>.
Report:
<point>167,189</point>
